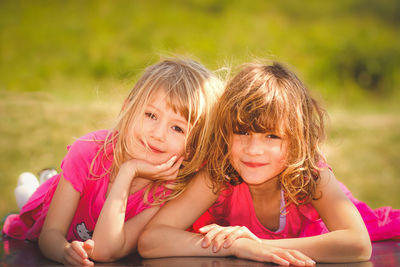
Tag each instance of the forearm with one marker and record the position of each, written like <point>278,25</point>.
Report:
<point>165,241</point>
<point>108,235</point>
<point>52,244</point>
<point>336,246</point>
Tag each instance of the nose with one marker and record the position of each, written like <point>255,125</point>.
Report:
<point>159,132</point>
<point>254,146</point>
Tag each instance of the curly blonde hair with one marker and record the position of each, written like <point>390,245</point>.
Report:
<point>263,98</point>
<point>191,90</point>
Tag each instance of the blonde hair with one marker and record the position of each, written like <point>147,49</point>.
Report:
<point>191,90</point>
<point>269,98</point>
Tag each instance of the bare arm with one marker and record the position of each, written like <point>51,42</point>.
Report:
<point>165,234</point>
<point>52,241</point>
<point>113,237</point>
<point>348,239</point>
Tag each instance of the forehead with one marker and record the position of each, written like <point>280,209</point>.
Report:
<point>161,100</point>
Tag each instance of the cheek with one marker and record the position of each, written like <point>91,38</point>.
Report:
<point>178,145</point>
<point>236,148</point>
<point>234,156</point>
<point>281,156</point>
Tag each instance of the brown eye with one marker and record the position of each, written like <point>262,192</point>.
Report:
<point>240,132</point>
<point>177,129</point>
<point>273,136</point>
<point>150,115</point>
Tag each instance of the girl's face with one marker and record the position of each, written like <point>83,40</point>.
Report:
<point>258,157</point>
<point>162,132</point>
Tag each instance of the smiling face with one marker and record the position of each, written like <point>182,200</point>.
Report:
<point>161,132</point>
<point>258,157</point>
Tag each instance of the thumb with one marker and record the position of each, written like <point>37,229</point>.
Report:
<point>88,246</point>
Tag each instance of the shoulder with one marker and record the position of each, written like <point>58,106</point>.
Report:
<point>326,179</point>
<point>329,191</point>
<point>92,137</point>
<point>78,164</point>
<point>89,142</point>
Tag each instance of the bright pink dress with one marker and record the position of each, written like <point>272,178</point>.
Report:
<point>235,207</point>
<point>75,168</point>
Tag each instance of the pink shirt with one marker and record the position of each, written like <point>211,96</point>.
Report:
<point>235,207</point>
<point>75,168</point>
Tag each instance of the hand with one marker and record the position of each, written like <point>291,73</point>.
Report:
<point>144,169</point>
<point>252,250</point>
<point>224,236</point>
<point>77,253</point>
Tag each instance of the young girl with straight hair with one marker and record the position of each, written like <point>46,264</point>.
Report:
<point>77,215</point>
<point>270,184</point>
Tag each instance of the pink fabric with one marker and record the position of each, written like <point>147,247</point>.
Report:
<point>75,168</point>
<point>235,207</point>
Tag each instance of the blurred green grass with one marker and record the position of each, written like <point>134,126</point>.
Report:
<point>65,67</point>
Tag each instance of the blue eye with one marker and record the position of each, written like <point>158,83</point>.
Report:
<point>150,115</point>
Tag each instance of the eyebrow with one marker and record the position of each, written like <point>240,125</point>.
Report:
<point>178,120</point>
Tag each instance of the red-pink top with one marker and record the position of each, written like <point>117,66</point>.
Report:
<point>92,188</point>
<point>235,207</point>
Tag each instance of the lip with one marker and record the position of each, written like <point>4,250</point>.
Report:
<point>254,164</point>
<point>152,148</point>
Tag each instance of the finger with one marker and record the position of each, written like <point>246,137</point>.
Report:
<point>300,256</point>
<point>287,255</point>
<point>88,246</point>
<point>171,173</point>
<point>277,260</point>
<point>220,238</point>
<point>240,232</point>
<point>167,166</point>
<point>207,228</point>
<point>169,163</point>
<point>208,238</point>
<point>72,258</point>
<point>78,249</point>
<point>87,262</point>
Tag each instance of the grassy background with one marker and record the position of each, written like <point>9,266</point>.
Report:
<point>65,67</point>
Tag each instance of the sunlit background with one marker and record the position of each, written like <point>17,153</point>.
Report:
<point>65,67</point>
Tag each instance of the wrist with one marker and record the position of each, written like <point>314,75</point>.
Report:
<point>235,247</point>
<point>129,169</point>
<point>67,246</point>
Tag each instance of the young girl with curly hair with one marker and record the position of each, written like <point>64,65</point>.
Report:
<point>267,180</point>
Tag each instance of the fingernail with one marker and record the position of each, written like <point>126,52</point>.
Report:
<point>204,243</point>
<point>226,243</point>
<point>311,262</point>
<point>214,249</point>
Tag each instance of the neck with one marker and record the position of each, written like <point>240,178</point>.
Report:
<point>266,190</point>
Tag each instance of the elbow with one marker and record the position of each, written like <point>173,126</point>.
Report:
<point>365,249</point>
<point>362,248</point>
<point>146,244</point>
<point>104,256</point>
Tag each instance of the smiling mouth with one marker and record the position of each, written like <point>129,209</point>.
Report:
<point>152,148</point>
<point>254,164</point>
